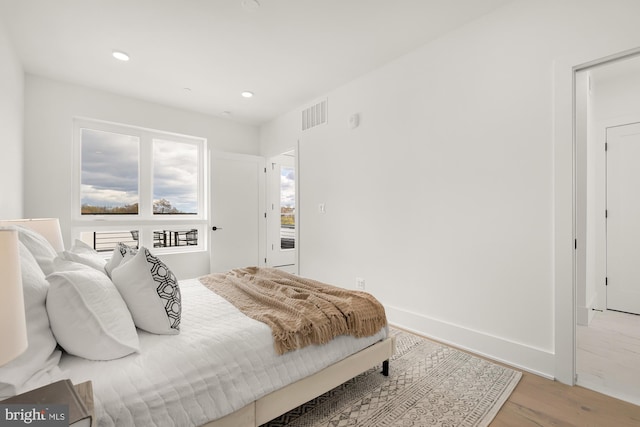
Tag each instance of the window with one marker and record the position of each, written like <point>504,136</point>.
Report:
<point>139,186</point>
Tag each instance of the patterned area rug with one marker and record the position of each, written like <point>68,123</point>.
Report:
<point>429,384</point>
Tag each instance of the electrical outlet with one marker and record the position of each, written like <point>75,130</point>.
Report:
<point>360,283</point>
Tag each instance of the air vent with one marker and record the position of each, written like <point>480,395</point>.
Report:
<point>314,115</point>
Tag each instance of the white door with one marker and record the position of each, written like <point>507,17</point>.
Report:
<point>623,218</point>
<point>281,211</point>
<point>237,211</point>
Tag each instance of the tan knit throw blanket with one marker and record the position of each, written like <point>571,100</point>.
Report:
<point>299,311</point>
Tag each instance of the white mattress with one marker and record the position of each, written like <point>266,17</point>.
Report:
<point>221,361</point>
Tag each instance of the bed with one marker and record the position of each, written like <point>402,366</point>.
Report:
<point>221,369</point>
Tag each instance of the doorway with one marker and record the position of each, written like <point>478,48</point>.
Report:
<point>607,97</point>
<point>282,217</point>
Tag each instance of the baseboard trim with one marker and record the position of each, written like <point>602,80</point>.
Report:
<point>520,356</point>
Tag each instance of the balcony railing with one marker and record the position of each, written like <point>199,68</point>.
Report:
<point>105,241</point>
<point>287,236</point>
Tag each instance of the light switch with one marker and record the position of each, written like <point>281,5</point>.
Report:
<point>322,208</point>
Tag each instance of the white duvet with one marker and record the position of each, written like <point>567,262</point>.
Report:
<point>221,361</point>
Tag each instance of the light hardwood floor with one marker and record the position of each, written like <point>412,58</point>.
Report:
<point>608,355</point>
<point>608,358</point>
<point>537,401</point>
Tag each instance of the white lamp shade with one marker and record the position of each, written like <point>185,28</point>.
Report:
<point>13,326</point>
<point>49,228</point>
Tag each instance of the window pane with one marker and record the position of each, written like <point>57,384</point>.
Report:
<point>109,180</point>
<point>106,241</point>
<point>170,238</point>
<point>175,178</point>
<point>287,208</point>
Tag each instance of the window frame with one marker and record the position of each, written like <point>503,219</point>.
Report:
<point>145,220</point>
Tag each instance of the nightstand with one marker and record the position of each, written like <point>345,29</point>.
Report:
<point>85,393</point>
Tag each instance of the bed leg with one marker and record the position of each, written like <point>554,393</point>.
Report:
<point>385,368</point>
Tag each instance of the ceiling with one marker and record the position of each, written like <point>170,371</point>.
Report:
<point>200,55</point>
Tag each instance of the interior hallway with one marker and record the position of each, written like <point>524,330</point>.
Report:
<point>608,355</point>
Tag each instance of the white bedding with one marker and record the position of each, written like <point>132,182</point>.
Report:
<point>221,361</point>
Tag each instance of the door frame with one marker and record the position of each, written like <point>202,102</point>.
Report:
<point>567,207</point>
<point>271,185</point>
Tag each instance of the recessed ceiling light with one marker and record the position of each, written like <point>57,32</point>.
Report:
<point>247,94</point>
<point>225,113</point>
<point>186,89</point>
<point>119,55</point>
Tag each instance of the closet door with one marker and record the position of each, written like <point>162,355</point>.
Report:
<point>623,218</point>
<point>237,211</point>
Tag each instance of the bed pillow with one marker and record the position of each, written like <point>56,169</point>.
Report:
<point>38,365</point>
<point>88,316</point>
<point>120,253</point>
<point>151,292</point>
<point>39,247</point>
<point>84,254</point>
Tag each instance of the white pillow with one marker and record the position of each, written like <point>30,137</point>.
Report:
<point>38,365</point>
<point>88,316</point>
<point>151,292</point>
<point>119,253</point>
<point>85,254</point>
<point>39,247</point>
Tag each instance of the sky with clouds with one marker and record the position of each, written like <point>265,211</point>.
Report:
<point>110,171</point>
<point>175,174</point>
<point>287,187</point>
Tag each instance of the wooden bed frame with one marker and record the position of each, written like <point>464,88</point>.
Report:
<point>282,400</point>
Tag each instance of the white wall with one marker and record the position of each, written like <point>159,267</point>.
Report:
<point>50,107</point>
<point>443,199</point>
<point>11,116</point>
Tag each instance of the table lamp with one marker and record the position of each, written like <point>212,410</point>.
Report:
<point>13,325</point>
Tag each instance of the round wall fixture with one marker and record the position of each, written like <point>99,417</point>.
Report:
<point>250,5</point>
<point>120,55</point>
